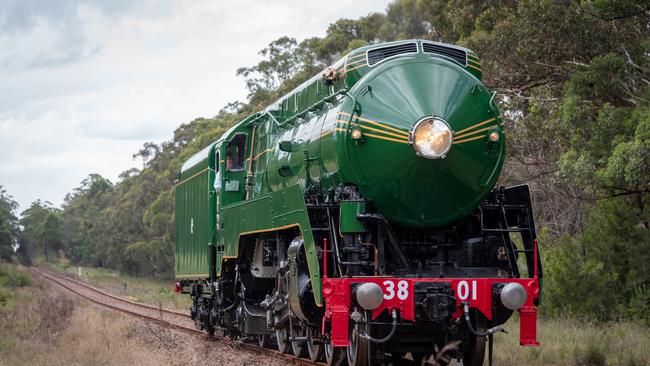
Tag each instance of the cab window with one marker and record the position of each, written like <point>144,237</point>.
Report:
<point>236,153</point>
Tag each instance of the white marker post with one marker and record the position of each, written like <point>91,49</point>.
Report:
<point>79,271</point>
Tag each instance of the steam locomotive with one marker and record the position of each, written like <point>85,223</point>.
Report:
<point>357,220</point>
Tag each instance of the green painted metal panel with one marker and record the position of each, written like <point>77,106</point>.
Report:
<point>277,210</point>
<point>348,217</point>
<point>196,163</point>
<point>195,204</point>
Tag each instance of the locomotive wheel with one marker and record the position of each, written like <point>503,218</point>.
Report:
<point>263,340</point>
<point>358,349</point>
<point>334,356</point>
<point>282,338</point>
<point>314,348</point>
<point>476,352</point>
<point>299,348</point>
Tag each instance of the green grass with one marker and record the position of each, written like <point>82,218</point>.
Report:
<point>142,289</point>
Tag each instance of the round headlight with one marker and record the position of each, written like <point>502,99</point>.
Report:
<point>513,296</point>
<point>431,137</point>
<point>369,295</point>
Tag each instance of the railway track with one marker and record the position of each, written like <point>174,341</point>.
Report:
<point>162,317</point>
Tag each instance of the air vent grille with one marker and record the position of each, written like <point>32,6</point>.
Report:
<point>378,54</point>
<point>455,54</point>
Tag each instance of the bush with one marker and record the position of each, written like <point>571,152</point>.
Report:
<point>13,277</point>
<point>4,297</point>
<point>602,273</point>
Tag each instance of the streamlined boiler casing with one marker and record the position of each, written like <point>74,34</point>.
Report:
<point>385,105</point>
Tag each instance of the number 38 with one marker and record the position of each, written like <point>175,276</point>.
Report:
<point>402,290</point>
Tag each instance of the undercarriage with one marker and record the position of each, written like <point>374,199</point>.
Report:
<point>389,292</point>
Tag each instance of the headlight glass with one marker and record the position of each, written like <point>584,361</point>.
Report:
<point>431,138</point>
<point>369,295</point>
<point>513,296</point>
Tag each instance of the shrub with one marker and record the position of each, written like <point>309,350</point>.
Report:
<point>11,276</point>
<point>602,274</point>
<point>4,297</point>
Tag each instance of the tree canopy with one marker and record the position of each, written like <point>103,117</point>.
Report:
<point>8,225</point>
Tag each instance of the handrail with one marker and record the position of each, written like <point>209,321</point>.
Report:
<point>272,117</point>
<point>492,104</point>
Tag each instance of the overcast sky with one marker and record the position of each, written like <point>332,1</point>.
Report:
<point>83,84</point>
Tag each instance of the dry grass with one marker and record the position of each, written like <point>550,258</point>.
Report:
<point>42,325</point>
<point>570,342</point>
<point>45,326</point>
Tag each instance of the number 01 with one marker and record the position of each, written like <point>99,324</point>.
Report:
<point>463,290</point>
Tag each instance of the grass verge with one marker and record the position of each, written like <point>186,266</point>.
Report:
<point>42,324</point>
<point>572,342</point>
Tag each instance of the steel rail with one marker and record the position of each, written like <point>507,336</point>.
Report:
<point>56,280</point>
<point>95,289</point>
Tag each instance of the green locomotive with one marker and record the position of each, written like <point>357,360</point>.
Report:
<point>357,216</point>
